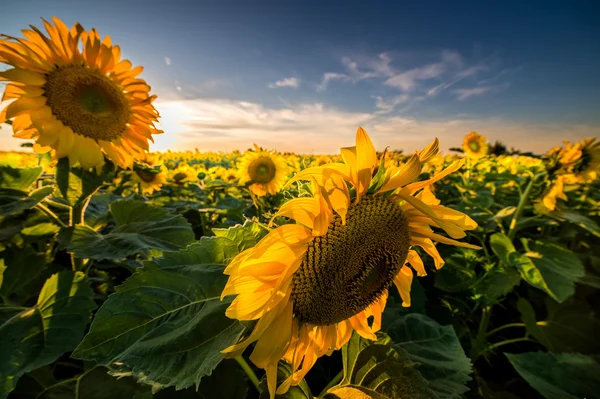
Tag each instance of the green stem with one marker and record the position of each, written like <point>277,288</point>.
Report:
<point>77,218</point>
<point>249,372</point>
<point>509,341</point>
<point>44,209</point>
<point>510,325</point>
<point>481,333</point>
<point>512,230</point>
<point>332,383</point>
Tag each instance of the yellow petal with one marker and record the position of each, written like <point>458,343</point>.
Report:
<point>366,160</point>
<point>430,248</point>
<point>403,282</point>
<point>416,262</point>
<point>302,210</point>
<point>406,174</point>
<point>24,104</point>
<point>23,76</point>
<point>361,326</point>
<point>430,151</point>
<point>272,344</point>
<point>414,187</point>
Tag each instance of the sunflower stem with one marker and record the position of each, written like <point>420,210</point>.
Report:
<point>510,325</point>
<point>512,230</point>
<point>44,209</point>
<point>486,315</point>
<point>332,383</point>
<point>249,372</point>
<point>509,341</point>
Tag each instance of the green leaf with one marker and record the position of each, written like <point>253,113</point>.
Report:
<point>556,269</point>
<point>18,179</point>
<point>76,185</point>
<point>571,326</point>
<point>379,369</point>
<point>140,228</point>
<point>497,283</point>
<point>13,201</point>
<point>284,370</point>
<point>559,376</point>
<point>437,350</point>
<point>245,236</point>
<point>502,246</point>
<point>166,324</point>
<point>38,336</point>
<point>546,266</point>
<point>577,219</point>
<point>22,267</point>
<point>96,383</point>
<point>40,230</point>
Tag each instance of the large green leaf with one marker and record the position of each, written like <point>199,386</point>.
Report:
<point>37,336</point>
<point>571,326</point>
<point>546,266</point>
<point>577,219</point>
<point>13,201</point>
<point>559,376</point>
<point>245,236</point>
<point>380,370</point>
<point>437,350</point>
<point>140,227</point>
<point>23,265</point>
<point>96,383</point>
<point>18,179</point>
<point>166,324</point>
<point>557,269</point>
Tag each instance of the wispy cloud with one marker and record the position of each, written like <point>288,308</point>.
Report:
<point>168,61</point>
<point>464,94</point>
<point>287,82</point>
<point>373,68</point>
<point>385,106</point>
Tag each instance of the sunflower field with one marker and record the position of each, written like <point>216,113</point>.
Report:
<point>126,273</point>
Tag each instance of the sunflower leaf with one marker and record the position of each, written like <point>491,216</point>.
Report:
<point>76,185</point>
<point>437,350</point>
<point>559,376</point>
<point>577,219</point>
<point>95,383</point>
<point>37,336</point>
<point>245,236</point>
<point>166,325</point>
<point>379,369</point>
<point>284,370</point>
<point>140,227</point>
<point>13,201</point>
<point>18,179</point>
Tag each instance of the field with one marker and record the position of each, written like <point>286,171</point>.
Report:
<point>110,280</point>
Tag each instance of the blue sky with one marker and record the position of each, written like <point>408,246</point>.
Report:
<point>301,75</point>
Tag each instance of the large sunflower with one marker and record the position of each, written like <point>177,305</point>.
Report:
<point>311,284</point>
<point>265,171</point>
<point>582,159</point>
<point>77,102</point>
<point>475,145</point>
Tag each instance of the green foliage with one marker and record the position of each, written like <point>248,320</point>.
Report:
<point>559,376</point>
<point>139,228</point>
<point>166,324</point>
<point>18,179</point>
<point>379,369</point>
<point>437,350</point>
<point>13,201</point>
<point>37,336</point>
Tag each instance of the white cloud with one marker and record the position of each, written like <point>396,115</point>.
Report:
<point>168,61</point>
<point>463,94</point>
<point>212,124</point>
<point>386,106</point>
<point>373,68</point>
<point>287,82</point>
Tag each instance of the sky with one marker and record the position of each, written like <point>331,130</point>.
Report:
<point>303,75</point>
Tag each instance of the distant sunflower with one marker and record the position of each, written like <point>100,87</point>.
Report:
<point>183,173</point>
<point>77,103</point>
<point>150,179</point>
<point>311,284</point>
<point>582,159</point>
<point>265,171</point>
<point>475,145</point>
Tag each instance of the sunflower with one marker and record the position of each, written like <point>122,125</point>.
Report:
<point>265,171</point>
<point>312,283</point>
<point>475,145</point>
<point>148,174</point>
<point>82,103</point>
<point>183,173</point>
<point>582,159</point>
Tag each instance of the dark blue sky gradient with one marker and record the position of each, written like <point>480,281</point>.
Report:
<point>540,59</point>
